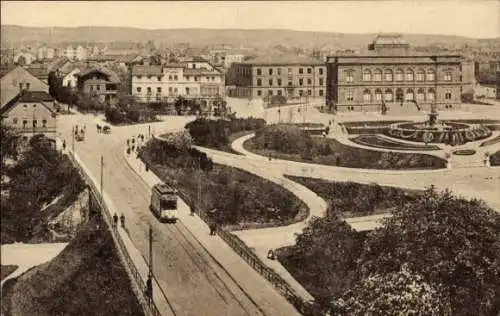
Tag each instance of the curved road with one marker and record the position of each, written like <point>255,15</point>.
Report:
<point>193,282</point>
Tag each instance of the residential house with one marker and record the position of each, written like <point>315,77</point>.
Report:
<point>99,82</point>
<point>194,79</point>
<point>229,59</point>
<point>14,80</point>
<point>44,53</point>
<point>24,58</point>
<point>7,56</point>
<point>31,113</point>
<point>77,53</point>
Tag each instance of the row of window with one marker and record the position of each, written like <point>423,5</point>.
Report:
<point>280,92</point>
<point>270,71</point>
<point>15,120</point>
<point>159,90</point>
<point>399,75</point>
<point>175,78</point>
<point>399,95</point>
<point>290,83</point>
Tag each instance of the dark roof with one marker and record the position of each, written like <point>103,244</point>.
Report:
<point>173,65</point>
<point>27,96</point>
<point>396,58</point>
<point>140,70</point>
<point>200,71</point>
<point>39,72</point>
<point>285,59</point>
<point>112,76</point>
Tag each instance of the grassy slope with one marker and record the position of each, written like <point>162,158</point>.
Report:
<point>86,278</point>
<point>6,270</point>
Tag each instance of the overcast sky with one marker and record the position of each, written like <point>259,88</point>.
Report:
<point>472,18</point>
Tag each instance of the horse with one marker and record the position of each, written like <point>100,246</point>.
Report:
<point>99,128</point>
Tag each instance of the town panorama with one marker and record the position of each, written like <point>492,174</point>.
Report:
<point>248,171</point>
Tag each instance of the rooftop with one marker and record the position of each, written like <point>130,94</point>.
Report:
<point>153,70</point>
<point>39,72</point>
<point>284,59</point>
<point>112,76</point>
<point>27,96</point>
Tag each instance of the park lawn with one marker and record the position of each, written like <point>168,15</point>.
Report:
<point>352,157</point>
<point>243,200</point>
<point>354,199</point>
<point>6,270</point>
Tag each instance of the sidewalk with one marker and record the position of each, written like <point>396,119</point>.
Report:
<point>137,258</point>
<point>250,281</point>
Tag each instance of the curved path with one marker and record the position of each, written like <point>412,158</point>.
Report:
<point>194,282</point>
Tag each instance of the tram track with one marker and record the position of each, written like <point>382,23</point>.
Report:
<point>199,259</point>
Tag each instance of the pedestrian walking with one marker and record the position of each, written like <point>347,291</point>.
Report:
<point>149,289</point>
<point>64,144</point>
<point>213,229</point>
<point>122,220</point>
<point>115,220</point>
<point>192,210</point>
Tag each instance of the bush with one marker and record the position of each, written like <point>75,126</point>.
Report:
<point>40,175</point>
<point>215,134</point>
<point>290,142</point>
<point>133,115</point>
<point>241,198</point>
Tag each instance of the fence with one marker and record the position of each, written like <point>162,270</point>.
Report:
<point>304,307</point>
<point>150,309</point>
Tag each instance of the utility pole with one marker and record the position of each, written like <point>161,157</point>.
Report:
<point>199,185</point>
<point>73,140</point>
<point>149,282</point>
<point>102,169</point>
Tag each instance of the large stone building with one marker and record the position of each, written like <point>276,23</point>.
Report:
<point>391,72</point>
<point>195,79</point>
<point>289,76</point>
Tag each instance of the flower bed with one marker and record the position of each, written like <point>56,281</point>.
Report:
<point>380,142</point>
<point>464,152</point>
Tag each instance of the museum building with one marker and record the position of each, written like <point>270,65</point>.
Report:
<point>389,73</point>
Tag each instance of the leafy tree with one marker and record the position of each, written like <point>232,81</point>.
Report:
<point>396,293</point>
<point>324,257</point>
<point>10,140</point>
<point>449,241</point>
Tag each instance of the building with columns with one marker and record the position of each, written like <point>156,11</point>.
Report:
<point>287,75</point>
<point>391,72</point>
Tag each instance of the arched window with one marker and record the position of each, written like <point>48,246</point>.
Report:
<point>399,75</point>
<point>377,75</point>
<point>399,95</point>
<point>431,94</point>
<point>409,75</point>
<point>410,95</point>
<point>367,95</point>
<point>431,75</point>
<point>349,75</point>
<point>420,75</point>
<point>420,95</point>
<point>259,82</point>
<point>388,95</point>
<point>378,95</point>
<point>367,75</point>
<point>388,75</point>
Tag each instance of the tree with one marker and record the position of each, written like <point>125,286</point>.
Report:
<point>328,247</point>
<point>449,241</point>
<point>9,143</point>
<point>396,293</point>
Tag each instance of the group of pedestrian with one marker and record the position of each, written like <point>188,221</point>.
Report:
<point>115,220</point>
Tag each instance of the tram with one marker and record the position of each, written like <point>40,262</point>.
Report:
<point>164,202</point>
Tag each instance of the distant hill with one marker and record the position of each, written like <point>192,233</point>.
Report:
<point>14,35</point>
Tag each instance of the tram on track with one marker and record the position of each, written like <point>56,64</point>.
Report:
<point>164,202</point>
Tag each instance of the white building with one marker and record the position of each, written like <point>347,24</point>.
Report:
<point>191,80</point>
<point>229,59</point>
<point>45,52</point>
<point>24,58</point>
<point>70,79</point>
<point>78,53</point>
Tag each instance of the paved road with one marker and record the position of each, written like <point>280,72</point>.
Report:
<point>193,282</point>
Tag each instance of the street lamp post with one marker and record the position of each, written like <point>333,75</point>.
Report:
<point>102,171</point>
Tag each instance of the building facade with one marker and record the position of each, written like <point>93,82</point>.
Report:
<point>16,80</point>
<point>190,79</point>
<point>31,113</point>
<point>100,83</point>
<point>391,73</point>
<point>292,77</point>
